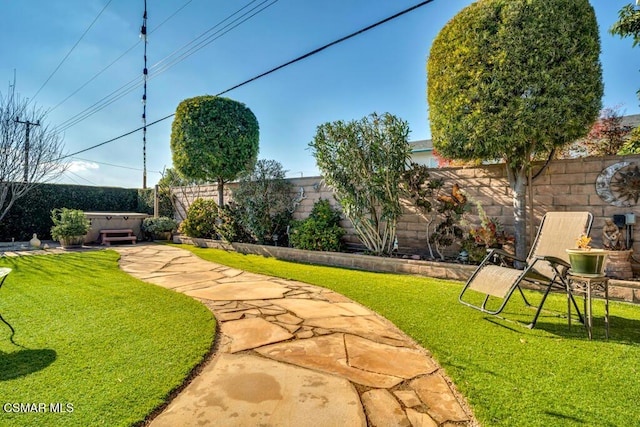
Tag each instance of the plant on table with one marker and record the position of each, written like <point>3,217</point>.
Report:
<point>583,242</point>
<point>586,260</point>
<point>69,226</point>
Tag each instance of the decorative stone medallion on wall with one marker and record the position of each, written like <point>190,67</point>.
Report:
<point>619,184</point>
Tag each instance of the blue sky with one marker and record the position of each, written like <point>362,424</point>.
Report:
<point>382,70</point>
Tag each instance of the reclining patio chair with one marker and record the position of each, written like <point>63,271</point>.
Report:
<point>547,265</point>
<point>4,272</point>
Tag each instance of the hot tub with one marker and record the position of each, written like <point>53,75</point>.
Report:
<point>113,220</point>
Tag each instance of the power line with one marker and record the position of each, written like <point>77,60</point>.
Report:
<point>111,164</point>
<point>119,57</point>
<point>99,105</point>
<point>328,45</point>
<point>72,49</point>
<point>135,83</point>
<point>293,61</point>
<point>83,178</point>
<point>211,38</point>
<point>113,96</point>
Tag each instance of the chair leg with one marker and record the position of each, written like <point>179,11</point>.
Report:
<point>544,298</point>
<point>13,332</point>
<point>523,297</point>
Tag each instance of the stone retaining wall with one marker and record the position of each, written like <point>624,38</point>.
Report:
<point>618,289</point>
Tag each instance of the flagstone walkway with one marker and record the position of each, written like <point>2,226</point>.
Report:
<point>293,354</point>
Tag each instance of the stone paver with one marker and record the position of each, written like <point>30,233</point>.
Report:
<point>383,409</point>
<point>293,354</point>
<point>245,390</point>
<point>241,291</point>
<point>251,333</point>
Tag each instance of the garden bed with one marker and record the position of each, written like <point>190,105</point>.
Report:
<point>341,259</point>
<point>621,290</point>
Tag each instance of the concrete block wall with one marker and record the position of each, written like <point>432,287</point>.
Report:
<point>566,185</point>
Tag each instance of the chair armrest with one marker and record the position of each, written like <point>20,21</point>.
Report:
<point>498,257</point>
<point>554,260</point>
<point>501,253</point>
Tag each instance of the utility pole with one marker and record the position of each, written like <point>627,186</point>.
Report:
<point>26,146</point>
<point>145,77</point>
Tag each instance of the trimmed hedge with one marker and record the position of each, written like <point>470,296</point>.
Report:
<point>32,212</point>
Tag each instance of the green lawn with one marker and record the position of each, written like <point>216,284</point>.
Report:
<point>106,346</point>
<point>511,375</point>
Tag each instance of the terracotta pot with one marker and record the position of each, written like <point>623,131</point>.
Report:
<point>162,235</point>
<point>71,241</point>
<point>618,265</point>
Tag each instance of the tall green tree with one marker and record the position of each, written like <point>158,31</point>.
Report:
<point>214,139</point>
<point>628,25</point>
<point>363,162</point>
<point>514,80</point>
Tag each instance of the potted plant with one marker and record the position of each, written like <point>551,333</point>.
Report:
<point>618,264</point>
<point>69,226</point>
<point>586,261</point>
<point>159,228</point>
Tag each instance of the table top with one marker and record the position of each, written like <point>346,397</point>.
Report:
<point>4,272</point>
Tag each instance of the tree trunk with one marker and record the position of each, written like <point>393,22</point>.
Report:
<point>517,182</point>
<point>220,192</point>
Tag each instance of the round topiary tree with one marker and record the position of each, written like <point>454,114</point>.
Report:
<point>214,139</point>
<point>514,80</point>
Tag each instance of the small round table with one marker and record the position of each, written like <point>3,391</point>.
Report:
<point>589,286</point>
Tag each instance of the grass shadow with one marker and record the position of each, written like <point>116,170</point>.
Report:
<point>24,362</point>
<point>621,329</point>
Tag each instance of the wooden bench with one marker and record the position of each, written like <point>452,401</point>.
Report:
<point>119,235</point>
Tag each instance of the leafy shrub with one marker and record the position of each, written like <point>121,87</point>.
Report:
<point>68,223</point>
<point>230,228</point>
<point>475,252</point>
<point>201,219</point>
<point>320,232</point>
<point>362,161</point>
<point>161,224</point>
<point>264,201</point>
